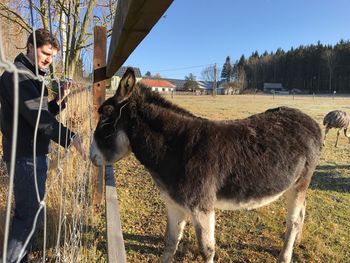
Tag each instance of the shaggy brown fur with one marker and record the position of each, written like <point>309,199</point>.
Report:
<point>198,163</point>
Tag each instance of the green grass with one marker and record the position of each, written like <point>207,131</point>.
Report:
<point>246,236</point>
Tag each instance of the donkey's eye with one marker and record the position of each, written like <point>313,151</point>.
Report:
<point>107,110</point>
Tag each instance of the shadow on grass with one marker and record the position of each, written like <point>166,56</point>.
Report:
<point>327,177</point>
<point>143,244</point>
<point>270,249</point>
<point>252,252</point>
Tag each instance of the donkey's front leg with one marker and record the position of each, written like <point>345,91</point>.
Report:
<point>175,225</point>
<point>295,219</point>
<point>204,223</point>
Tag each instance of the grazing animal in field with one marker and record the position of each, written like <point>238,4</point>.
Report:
<point>200,164</point>
<point>336,119</point>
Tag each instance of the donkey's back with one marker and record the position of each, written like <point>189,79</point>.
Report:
<point>245,164</point>
<point>264,155</point>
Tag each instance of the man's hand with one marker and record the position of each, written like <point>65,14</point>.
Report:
<point>78,145</point>
<point>65,90</point>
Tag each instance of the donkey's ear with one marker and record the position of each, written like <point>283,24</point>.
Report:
<point>126,86</point>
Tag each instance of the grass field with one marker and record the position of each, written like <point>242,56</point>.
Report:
<point>241,236</point>
<point>247,236</point>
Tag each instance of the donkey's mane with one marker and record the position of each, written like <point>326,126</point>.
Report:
<point>147,96</point>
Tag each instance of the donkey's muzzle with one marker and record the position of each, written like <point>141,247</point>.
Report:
<point>96,156</point>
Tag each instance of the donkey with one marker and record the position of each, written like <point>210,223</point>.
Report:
<point>200,164</point>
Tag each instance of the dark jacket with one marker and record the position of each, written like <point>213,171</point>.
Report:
<point>29,106</point>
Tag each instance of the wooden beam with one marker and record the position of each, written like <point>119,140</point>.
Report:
<point>99,87</point>
<point>116,247</point>
<point>99,96</point>
<point>133,21</point>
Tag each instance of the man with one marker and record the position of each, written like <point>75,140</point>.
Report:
<point>26,200</point>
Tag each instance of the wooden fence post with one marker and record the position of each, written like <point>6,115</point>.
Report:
<point>99,95</point>
<point>116,248</point>
<point>133,21</point>
<point>115,241</point>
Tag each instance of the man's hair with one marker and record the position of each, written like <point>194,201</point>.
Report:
<point>43,37</point>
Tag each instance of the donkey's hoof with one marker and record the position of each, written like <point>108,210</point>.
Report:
<point>283,259</point>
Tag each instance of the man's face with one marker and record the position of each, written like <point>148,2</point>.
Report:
<point>45,55</point>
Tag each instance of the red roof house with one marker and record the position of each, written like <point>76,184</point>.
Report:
<point>159,85</point>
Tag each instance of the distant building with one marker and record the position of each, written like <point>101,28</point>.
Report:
<point>159,85</point>
<point>179,83</point>
<point>227,88</point>
<point>119,74</point>
<point>206,87</point>
<point>273,87</point>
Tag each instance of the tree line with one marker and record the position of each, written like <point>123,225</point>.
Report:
<point>312,69</point>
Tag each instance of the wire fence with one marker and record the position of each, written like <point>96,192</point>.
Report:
<point>66,232</point>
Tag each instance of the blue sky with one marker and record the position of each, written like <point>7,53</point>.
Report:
<point>197,33</point>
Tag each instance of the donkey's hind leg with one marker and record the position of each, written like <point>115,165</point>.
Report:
<point>295,197</point>
<point>204,223</point>
<point>175,225</point>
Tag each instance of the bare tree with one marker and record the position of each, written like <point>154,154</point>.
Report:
<point>69,20</point>
<point>10,12</point>
<point>241,78</point>
<point>208,74</point>
<point>13,30</point>
<point>330,57</point>
<point>265,62</point>
<point>253,64</point>
<point>157,76</point>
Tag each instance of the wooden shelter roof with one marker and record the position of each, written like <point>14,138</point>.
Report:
<point>133,21</point>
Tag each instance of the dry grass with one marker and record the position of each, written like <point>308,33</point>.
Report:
<point>242,236</point>
<point>247,236</point>
<point>69,191</point>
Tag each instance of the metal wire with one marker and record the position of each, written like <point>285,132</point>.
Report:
<point>72,232</point>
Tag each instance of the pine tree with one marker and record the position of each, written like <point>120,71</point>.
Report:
<point>227,70</point>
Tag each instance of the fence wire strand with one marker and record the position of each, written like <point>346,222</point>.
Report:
<point>74,198</point>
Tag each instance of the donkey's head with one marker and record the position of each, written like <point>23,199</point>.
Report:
<point>110,142</point>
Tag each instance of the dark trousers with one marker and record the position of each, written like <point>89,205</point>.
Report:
<point>26,204</point>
